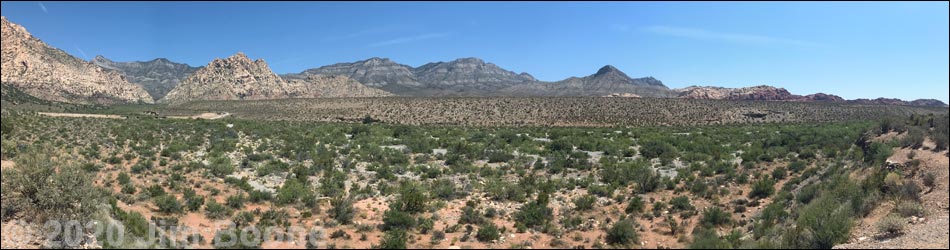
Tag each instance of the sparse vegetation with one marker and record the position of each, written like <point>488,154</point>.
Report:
<point>347,178</point>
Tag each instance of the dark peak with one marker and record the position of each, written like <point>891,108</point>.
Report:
<point>609,69</point>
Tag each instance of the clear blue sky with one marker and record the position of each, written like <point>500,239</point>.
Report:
<point>856,50</point>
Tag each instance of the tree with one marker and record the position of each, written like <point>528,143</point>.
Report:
<point>623,234</point>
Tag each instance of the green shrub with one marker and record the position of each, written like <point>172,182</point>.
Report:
<point>236,201</point>
<point>762,189</point>
<point>395,219</point>
<point>585,203</point>
<point>930,180</point>
<point>779,173</point>
<point>49,189</point>
<point>342,210</point>
<point>908,208</point>
<point>168,204</point>
<point>715,217</point>
<point>221,166</point>
<point>394,239</point>
<point>488,233</point>
<point>216,211</point>
<point>622,234</point>
<point>891,226</point>
<point>534,214</point>
<point>412,199</point>
<point>821,225</point>
<point>681,203</point>
<point>635,206</point>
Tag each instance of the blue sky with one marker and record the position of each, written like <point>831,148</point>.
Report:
<point>852,49</point>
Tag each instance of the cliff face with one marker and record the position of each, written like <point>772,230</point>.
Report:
<point>51,74</point>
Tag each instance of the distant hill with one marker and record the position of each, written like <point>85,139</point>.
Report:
<point>157,77</point>
<point>606,82</point>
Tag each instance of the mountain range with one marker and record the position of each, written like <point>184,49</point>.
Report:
<point>49,73</point>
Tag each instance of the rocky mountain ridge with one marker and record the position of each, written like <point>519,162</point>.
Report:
<point>157,77</point>
<point>40,70</point>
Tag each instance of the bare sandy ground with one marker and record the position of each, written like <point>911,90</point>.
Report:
<point>82,115</point>
<point>204,116</point>
<point>6,164</point>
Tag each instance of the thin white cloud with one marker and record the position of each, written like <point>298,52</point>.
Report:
<point>43,7</point>
<point>83,53</point>
<point>408,39</point>
<point>708,35</point>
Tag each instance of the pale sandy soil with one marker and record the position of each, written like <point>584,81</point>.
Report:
<point>20,235</point>
<point>6,164</point>
<point>82,115</point>
<point>204,116</point>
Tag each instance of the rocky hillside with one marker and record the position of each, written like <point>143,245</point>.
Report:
<point>375,72</point>
<point>51,74</point>
<point>606,82</point>
<point>462,77</point>
<point>330,86</point>
<point>239,78</point>
<point>157,77</point>
<point>468,77</point>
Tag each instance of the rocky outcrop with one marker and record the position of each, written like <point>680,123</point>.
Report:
<point>239,78</point>
<point>822,97</point>
<point>608,80</point>
<point>51,74</point>
<point>757,93</point>
<point>928,103</point>
<point>157,77</point>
